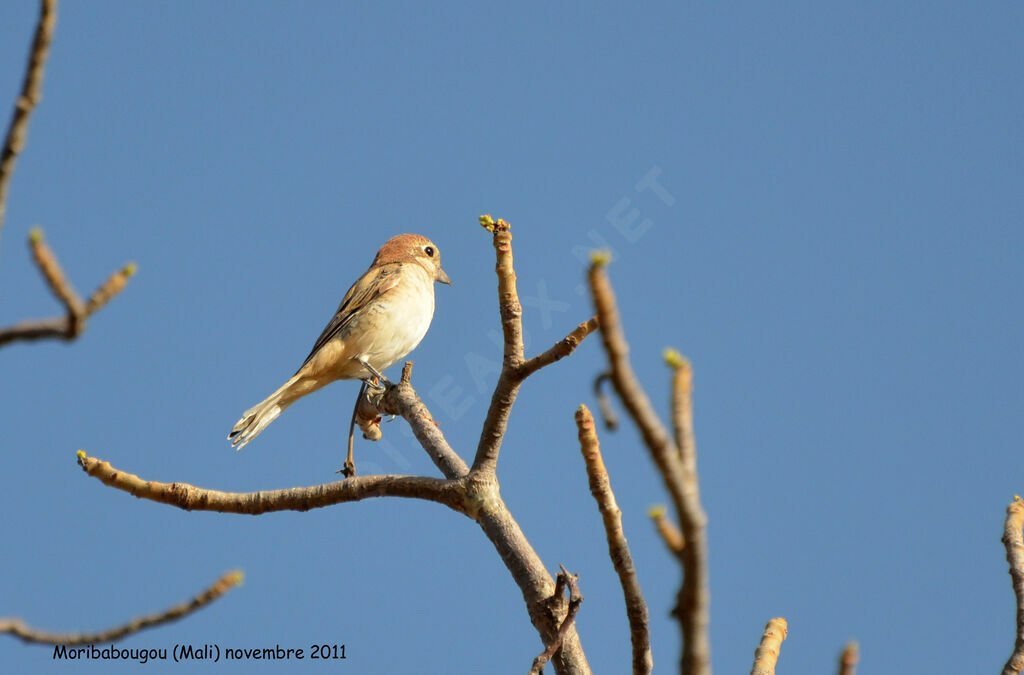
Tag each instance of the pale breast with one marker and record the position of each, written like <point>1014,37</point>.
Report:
<point>396,322</point>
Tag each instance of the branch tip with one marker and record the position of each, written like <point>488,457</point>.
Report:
<point>600,257</point>
<point>674,359</point>
<point>767,653</point>
<point>848,658</point>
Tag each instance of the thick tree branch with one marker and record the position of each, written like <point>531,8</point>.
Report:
<point>618,547</point>
<point>575,600</point>
<point>849,658</point>
<point>401,399</point>
<point>474,495</point>
<point>1014,542</point>
<point>677,467</point>
<point>767,653</point>
<point>19,629</point>
<point>31,93</point>
<point>71,325</point>
<point>192,498</point>
<point>481,498</point>
<point>528,571</point>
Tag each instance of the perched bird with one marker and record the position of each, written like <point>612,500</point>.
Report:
<point>381,319</point>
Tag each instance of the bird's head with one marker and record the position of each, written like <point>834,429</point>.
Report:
<point>416,249</point>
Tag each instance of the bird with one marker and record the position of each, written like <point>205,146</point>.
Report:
<point>383,317</point>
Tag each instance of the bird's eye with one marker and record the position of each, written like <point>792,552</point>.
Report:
<point>429,250</point>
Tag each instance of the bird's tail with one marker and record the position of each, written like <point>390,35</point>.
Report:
<point>255,419</point>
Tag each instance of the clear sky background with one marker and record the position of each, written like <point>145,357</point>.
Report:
<point>840,257</point>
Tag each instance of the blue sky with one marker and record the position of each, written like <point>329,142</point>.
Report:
<point>837,248</point>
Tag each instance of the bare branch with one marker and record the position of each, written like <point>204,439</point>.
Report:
<point>106,291</point>
<point>192,498</point>
<point>682,409</point>
<point>401,399</point>
<point>31,93</point>
<point>560,350</point>
<point>849,658</point>
<point>514,368</point>
<point>1014,542</point>
<point>54,275</point>
<point>618,548</point>
<point>767,653</point>
<point>71,325</point>
<point>673,538</point>
<point>575,600</point>
<point>19,629</point>
<point>678,472</point>
<point>36,329</point>
<point>508,297</point>
<point>507,389</point>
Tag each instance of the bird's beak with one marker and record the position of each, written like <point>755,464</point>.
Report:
<point>442,276</point>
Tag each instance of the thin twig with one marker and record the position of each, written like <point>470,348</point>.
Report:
<point>58,327</point>
<point>767,653</point>
<point>618,547</point>
<point>682,409</point>
<point>31,93</point>
<point>575,600</point>
<point>54,275</point>
<point>849,658</point>
<point>1014,542</point>
<point>670,534</point>
<point>19,629</point>
<point>192,498</point>
<point>559,351</point>
<point>678,472</point>
<point>604,402</point>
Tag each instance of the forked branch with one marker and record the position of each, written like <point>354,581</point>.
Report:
<point>676,461</point>
<point>570,581</point>
<point>514,367</point>
<point>71,325</point>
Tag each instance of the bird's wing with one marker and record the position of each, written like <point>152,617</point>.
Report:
<point>376,282</point>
